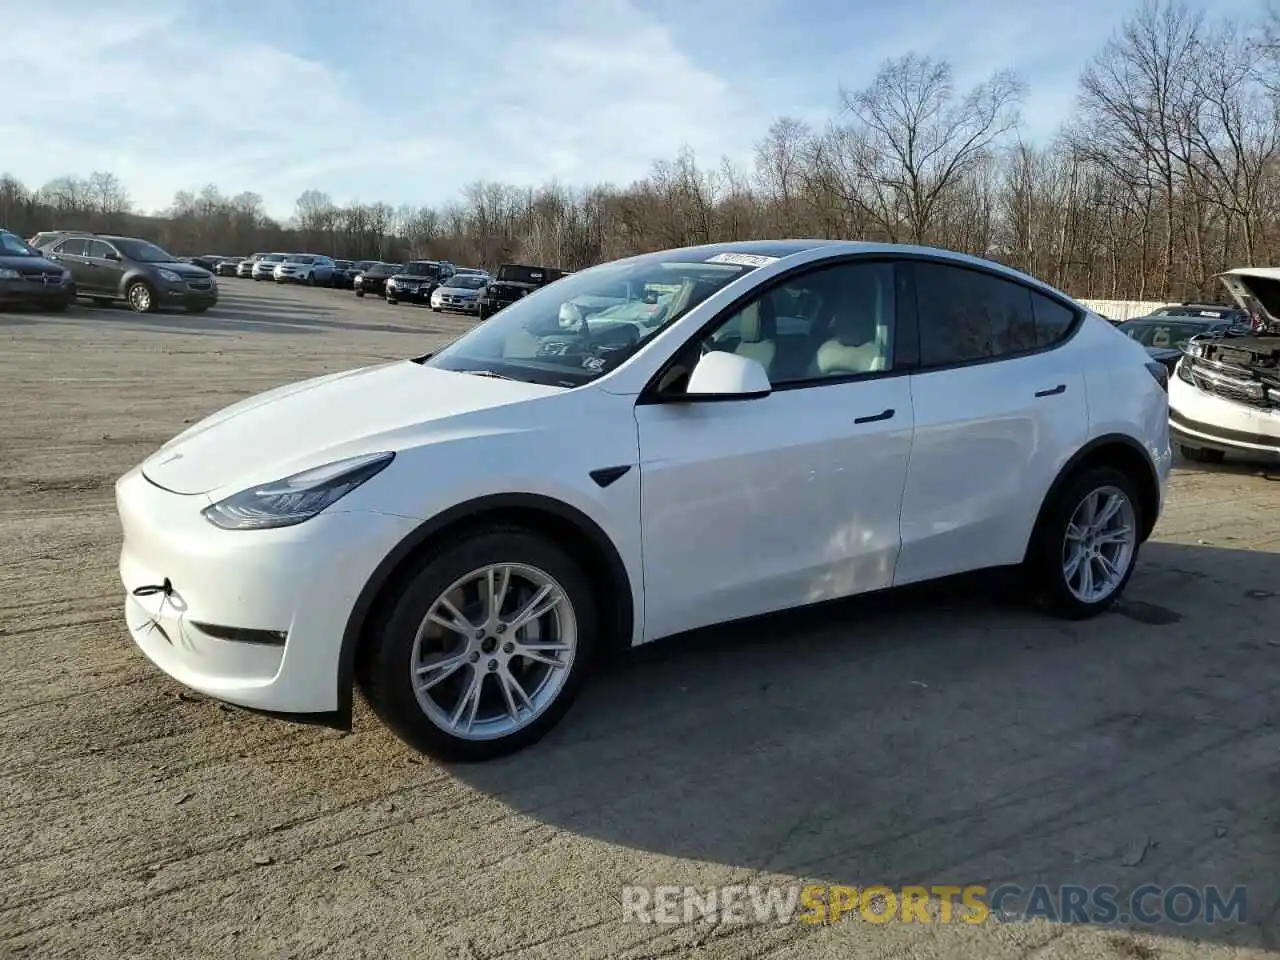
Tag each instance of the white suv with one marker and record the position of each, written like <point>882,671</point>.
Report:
<point>766,425</point>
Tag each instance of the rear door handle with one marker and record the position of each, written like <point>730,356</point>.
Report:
<point>883,415</point>
<point>1054,391</point>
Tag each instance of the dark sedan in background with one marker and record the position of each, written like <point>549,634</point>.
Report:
<point>417,280</point>
<point>1165,336</point>
<point>28,279</point>
<point>374,278</point>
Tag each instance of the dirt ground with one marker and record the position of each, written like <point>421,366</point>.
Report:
<point>941,737</point>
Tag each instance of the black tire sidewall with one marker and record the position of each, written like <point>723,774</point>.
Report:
<point>385,667</point>
<point>1051,584</point>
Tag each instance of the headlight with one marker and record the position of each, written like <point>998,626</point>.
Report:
<point>296,498</point>
<point>7,274</point>
<point>66,274</point>
<point>391,283</point>
<point>169,275</point>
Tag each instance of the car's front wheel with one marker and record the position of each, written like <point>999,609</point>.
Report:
<point>485,648</point>
<point>359,293</point>
<point>141,298</point>
<point>1087,543</point>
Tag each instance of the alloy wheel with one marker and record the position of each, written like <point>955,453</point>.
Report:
<point>494,651</point>
<point>1099,545</point>
<point>140,297</point>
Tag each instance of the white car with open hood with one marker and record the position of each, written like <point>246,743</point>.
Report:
<point>1224,396</point>
<point>768,425</point>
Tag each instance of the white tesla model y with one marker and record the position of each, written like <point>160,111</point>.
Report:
<point>645,447</point>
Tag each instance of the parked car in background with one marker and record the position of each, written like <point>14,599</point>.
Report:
<point>108,268</point>
<point>348,282</point>
<point>1225,395</point>
<point>465,533</point>
<point>28,278</point>
<point>373,279</point>
<point>46,238</point>
<point>245,267</point>
<point>460,293</point>
<point>228,266</point>
<point>264,268</point>
<point>1166,335</point>
<point>1204,311</point>
<point>342,275</point>
<point>313,269</point>
<point>512,282</point>
<point>416,280</point>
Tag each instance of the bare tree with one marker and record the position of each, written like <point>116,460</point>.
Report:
<point>912,138</point>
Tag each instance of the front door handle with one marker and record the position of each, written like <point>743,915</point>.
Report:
<point>1052,391</point>
<point>882,415</point>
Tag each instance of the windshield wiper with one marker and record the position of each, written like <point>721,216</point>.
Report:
<point>492,374</point>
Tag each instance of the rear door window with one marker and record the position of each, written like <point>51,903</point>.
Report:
<point>75,247</point>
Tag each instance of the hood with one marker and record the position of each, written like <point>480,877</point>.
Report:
<point>412,278</point>
<point>1257,292</point>
<point>183,270</point>
<point>314,422</point>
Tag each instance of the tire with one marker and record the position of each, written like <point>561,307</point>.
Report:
<point>1201,454</point>
<point>435,309</point>
<point>102,301</point>
<point>359,293</point>
<point>1047,559</point>
<point>386,664</point>
<point>311,280</point>
<point>392,302</point>
<point>141,298</point>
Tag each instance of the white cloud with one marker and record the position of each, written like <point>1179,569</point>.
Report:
<point>171,97</point>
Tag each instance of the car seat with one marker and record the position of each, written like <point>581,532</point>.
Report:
<point>860,331</point>
<point>759,331</point>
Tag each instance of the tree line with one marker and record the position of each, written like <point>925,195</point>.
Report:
<point>1167,173</point>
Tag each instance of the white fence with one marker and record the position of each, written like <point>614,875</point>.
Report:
<point>1123,309</point>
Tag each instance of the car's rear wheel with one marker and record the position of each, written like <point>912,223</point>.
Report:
<point>1087,543</point>
<point>1201,454</point>
<point>485,648</point>
<point>141,298</point>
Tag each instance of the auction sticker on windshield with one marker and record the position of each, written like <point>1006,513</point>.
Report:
<point>742,259</point>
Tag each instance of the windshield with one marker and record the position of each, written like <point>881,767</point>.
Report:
<point>422,268</point>
<point>302,260</point>
<point>144,252</point>
<point>384,268</point>
<point>466,282</point>
<point>272,258</point>
<point>1164,334</point>
<point>560,334</point>
<point>12,245</point>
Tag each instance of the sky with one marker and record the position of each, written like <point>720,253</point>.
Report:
<point>409,101</point>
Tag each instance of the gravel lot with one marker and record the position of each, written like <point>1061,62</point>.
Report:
<point>946,736</point>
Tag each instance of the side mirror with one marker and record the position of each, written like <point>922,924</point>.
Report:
<point>112,255</point>
<point>727,376</point>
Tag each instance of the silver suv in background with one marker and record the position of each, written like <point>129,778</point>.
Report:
<point>309,268</point>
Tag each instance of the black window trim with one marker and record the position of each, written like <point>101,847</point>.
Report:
<point>906,334</point>
<point>1075,309</point>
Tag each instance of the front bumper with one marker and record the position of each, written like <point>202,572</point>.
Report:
<point>183,295</point>
<point>1201,419</point>
<point>408,295</point>
<point>36,294</point>
<point>457,304</point>
<point>298,583</point>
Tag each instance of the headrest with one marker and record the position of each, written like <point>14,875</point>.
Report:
<point>759,321</point>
